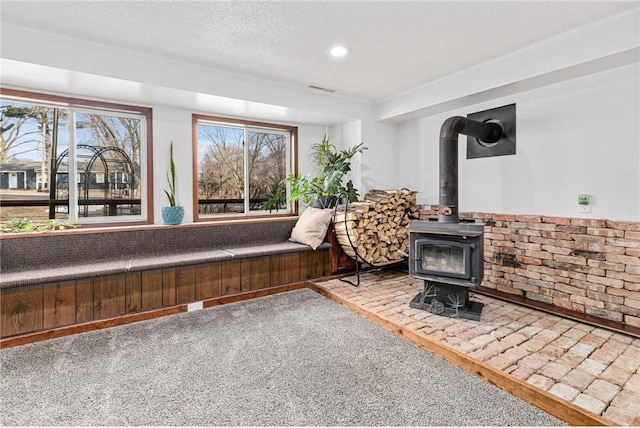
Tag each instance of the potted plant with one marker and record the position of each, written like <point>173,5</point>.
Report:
<point>174,213</point>
<point>325,187</point>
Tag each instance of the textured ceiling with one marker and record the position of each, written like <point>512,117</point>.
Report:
<point>396,45</point>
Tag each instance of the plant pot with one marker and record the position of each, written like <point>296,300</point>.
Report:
<point>324,201</point>
<point>172,215</point>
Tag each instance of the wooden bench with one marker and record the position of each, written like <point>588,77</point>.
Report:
<point>53,280</point>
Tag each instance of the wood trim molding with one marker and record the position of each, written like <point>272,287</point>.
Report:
<point>25,339</point>
<point>222,121</point>
<point>560,311</point>
<point>544,400</point>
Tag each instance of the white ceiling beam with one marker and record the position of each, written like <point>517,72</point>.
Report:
<point>606,44</point>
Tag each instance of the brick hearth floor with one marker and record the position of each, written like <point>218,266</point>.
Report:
<point>594,368</point>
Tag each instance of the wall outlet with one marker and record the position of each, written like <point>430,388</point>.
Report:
<point>195,306</point>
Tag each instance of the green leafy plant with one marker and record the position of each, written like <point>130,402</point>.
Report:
<point>19,225</point>
<point>171,179</point>
<point>275,201</point>
<point>325,186</point>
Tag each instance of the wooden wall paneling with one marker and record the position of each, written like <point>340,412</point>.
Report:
<point>277,275</point>
<point>168,287</point>
<point>133,293</point>
<point>207,281</point>
<point>151,285</point>
<point>245,274</point>
<point>303,265</point>
<point>59,304</point>
<point>84,300</point>
<point>316,264</point>
<point>21,310</point>
<point>290,265</point>
<point>109,296</point>
<point>185,284</point>
<point>231,272</point>
<point>261,273</point>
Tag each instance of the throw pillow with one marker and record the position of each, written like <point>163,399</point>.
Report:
<point>311,227</point>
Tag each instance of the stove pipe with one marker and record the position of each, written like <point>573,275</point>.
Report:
<point>487,132</point>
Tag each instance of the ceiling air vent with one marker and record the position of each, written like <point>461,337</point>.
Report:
<point>321,88</point>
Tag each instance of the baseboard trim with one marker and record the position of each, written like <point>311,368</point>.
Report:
<point>53,333</point>
<point>561,409</point>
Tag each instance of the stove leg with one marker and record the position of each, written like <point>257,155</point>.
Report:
<point>448,300</point>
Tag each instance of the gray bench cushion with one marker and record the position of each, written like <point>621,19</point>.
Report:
<point>28,277</point>
<point>53,258</point>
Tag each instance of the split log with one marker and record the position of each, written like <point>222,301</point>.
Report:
<point>377,226</point>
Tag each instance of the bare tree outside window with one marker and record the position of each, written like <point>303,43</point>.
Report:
<point>240,167</point>
<point>35,156</point>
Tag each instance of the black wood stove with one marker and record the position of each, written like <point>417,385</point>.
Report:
<point>449,258</point>
<point>448,254</point>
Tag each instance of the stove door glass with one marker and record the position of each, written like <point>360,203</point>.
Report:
<point>444,259</point>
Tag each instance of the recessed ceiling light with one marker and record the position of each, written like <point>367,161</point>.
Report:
<point>339,51</point>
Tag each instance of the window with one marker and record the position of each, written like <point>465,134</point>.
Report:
<point>48,139</point>
<point>240,168</point>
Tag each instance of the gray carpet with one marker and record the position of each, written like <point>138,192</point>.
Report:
<point>290,359</point>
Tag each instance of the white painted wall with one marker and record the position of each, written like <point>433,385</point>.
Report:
<point>577,136</point>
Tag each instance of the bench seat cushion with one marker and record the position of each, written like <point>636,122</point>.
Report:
<point>25,278</point>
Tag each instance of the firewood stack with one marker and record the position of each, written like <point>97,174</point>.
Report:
<point>377,227</point>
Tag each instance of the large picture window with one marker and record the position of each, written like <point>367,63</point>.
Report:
<point>74,160</point>
<point>240,168</point>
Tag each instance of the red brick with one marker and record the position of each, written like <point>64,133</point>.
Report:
<point>605,248</point>
<point>570,289</point>
<point>623,225</point>
<point>633,321</point>
<point>588,222</point>
<point>609,298</point>
<point>529,260</point>
<point>542,226</point>
<point>509,290</point>
<point>528,246</point>
<point>630,243</point>
<point>587,301</point>
<point>563,303</point>
<point>539,254</point>
<point>525,287</point>
<point>590,239</point>
<point>543,241</point>
<point>632,269</point>
<point>504,217</point>
<point>612,233</point>
<point>556,220</point>
<point>528,218</point>
<point>631,294</point>
<point>570,259</point>
<point>557,250</point>
<point>629,234</point>
<point>608,282</point>
<point>634,252</point>
<point>606,265</point>
<point>632,303</point>
<point>629,260</point>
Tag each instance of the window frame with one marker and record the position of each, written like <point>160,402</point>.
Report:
<point>248,125</point>
<point>84,105</point>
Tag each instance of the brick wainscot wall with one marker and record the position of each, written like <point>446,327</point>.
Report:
<point>589,266</point>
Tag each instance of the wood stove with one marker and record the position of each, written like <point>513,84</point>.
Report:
<point>449,258</point>
<point>448,254</point>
